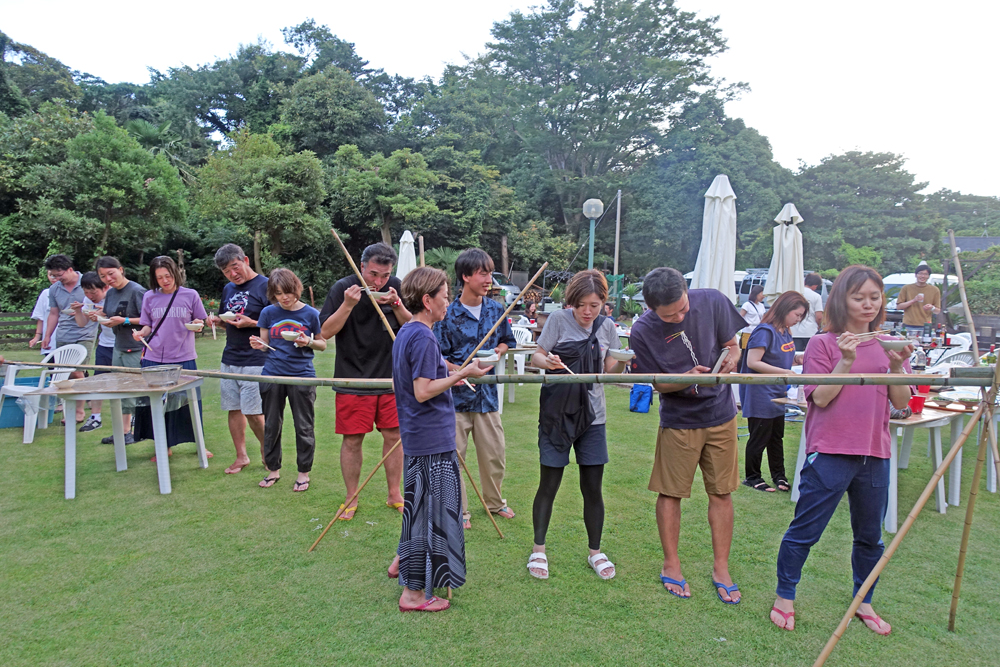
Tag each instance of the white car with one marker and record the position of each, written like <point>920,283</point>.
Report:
<point>500,281</point>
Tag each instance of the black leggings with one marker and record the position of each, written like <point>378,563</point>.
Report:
<point>591,479</point>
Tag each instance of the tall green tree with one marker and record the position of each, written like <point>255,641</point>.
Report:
<point>39,77</point>
<point>968,215</point>
<point>586,88</point>
<point>867,200</point>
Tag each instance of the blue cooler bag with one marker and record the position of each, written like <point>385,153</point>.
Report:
<point>640,398</point>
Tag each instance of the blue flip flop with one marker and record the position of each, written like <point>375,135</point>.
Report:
<point>729,589</point>
<point>681,583</point>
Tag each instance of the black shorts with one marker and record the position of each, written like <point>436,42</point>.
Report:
<point>591,449</point>
<point>102,357</point>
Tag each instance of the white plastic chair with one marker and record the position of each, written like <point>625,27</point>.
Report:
<point>523,336</point>
<point>963,339</point>
<point>67,354</point>
<point>953,356</point>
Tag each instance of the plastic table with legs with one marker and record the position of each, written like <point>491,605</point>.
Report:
<point>114,387</point>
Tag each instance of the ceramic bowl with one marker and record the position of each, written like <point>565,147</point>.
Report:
<point>290,335</point>
<point>63,384</point>
<point>894,345</point>
<point>194,326</point>
<point>622,355</point>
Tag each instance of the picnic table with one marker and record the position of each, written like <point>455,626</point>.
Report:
<point>931,419</point>
<point>114,387</point>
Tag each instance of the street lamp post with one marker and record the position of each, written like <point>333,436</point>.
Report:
<point>593,209</point>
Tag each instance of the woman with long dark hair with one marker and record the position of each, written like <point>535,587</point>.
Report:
<point>847,441</point>
<point>769,350</point>
<point>752,311</point>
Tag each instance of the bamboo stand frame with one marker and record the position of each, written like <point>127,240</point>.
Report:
<point>965,299</point>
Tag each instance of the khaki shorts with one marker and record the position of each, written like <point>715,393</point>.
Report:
<point>679,452</point>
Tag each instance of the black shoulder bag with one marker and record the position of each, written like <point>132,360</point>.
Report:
<point>565,412</point>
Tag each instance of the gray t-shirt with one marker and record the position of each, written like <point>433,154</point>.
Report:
<point>67,330</point>
<point>126,302</point>
<point>562,327</point>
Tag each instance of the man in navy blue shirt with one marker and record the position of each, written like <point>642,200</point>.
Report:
<point>245,295</point>
<point>468,319</point>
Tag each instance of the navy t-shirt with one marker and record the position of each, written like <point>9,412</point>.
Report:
<point>248,299</point>
<point>286,359</point>
<point>779,350</point>
<point>659,347</point>
<point>428,427</point>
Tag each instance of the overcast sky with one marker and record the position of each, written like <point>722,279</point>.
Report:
<point>875,75</point>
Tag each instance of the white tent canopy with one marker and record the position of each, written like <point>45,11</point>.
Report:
<point>407,256</point>
<point>786,272</point>
<point>717,255</point>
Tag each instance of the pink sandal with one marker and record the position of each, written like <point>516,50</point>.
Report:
<point>427,604</point>
<point>873,618</point>
<point>785,615</point>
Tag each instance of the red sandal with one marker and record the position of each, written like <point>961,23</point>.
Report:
<point>876,619</point>
<point>785,615</point>
<point>427,604</point>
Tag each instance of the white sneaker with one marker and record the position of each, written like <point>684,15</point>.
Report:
<point>91,424</point>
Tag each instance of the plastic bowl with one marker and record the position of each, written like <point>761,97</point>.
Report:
<point>482,354</point>
<point>894,345</point>
<point>63,384</point>
<point>290,335</point>
<point>194,326</point>
<point>622,355</point>
<point>161,376</point>
<point>227,317</point>
<point>68,311</point>
<point>488,362</point>
<point>104,320</point>
<point>378,295</point>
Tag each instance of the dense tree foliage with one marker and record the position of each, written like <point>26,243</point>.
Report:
<point>271,146</point>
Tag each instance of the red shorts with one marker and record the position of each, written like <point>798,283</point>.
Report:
<point>356,414</point>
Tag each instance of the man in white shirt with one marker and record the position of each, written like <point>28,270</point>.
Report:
<point>811,323</point>
<point>40,313</point>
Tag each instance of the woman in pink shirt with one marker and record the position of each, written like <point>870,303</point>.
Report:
<point>847,441</point>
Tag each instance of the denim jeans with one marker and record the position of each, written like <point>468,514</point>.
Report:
<point>825,478</point>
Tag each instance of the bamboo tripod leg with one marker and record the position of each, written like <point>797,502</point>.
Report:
<point>984,438</point>
<point>481,499</point>
<point>891,549</point>
<point>354,497</point>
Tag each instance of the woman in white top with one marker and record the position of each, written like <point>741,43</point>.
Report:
<point>752,311</point>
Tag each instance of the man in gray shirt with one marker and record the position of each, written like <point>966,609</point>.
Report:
<point>63,293</point>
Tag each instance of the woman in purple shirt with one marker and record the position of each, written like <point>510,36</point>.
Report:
<point>431,552</point>
<point>847,441</point>
<point>166,308</point>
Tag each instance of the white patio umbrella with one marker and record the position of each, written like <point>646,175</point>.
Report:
<point>717,255</point>
<point>407,255</point>
<point>786,272</point>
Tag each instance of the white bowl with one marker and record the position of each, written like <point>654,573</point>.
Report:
<point>290,335</point>
<point>68,311</point>
<point>488,361</point>
<point>227,317</point>
<point>104,320</point>
<point>482,354</point>
<point>63,384</point>
<point>622,355</point>
<point>194,326</point>
<point>894,345</point>
<point>379,295</point>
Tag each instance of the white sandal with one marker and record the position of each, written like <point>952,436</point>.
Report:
<point>538,561</point>
<point>603,567</point>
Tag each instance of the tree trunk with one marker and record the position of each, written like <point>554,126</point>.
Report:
<point>180,265</point>
<point>256,253</point>
<point>386,233</point>
<point>504,262</point>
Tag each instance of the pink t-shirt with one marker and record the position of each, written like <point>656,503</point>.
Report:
<point>172,343</point>
<point>857,420</point>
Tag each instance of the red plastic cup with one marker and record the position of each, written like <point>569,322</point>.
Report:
<point>923,389</point>
<point>917,404</point>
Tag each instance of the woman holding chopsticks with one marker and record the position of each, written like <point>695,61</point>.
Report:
<point>847,440</point>
<point>166,308</point>
<point>572,416</point>
<point>431,552</point>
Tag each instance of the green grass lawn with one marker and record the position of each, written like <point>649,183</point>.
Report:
<point>217,572</point>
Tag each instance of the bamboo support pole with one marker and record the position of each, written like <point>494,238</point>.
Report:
<point>904,529</point>
<point>958,379</point>
<point>969,511</point>
<point>965,299</point>
<point>354,497</point>
<point>993,445</point>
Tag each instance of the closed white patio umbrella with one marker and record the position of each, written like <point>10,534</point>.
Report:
<point>407,255</point>
<point>786,271</point>
<point>717,255</point>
